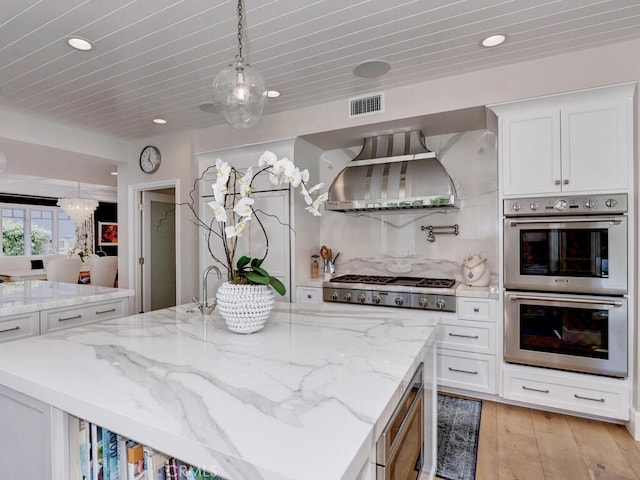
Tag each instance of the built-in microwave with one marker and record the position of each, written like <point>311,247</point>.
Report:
<point>549,249</point>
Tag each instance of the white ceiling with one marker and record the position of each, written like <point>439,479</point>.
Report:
<point>157,58</point>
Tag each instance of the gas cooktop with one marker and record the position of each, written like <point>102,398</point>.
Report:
<point>403,281</point>
<point>388,291</point>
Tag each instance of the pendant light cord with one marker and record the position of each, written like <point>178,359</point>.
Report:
<point>239,55</point>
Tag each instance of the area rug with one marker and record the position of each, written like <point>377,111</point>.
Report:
<point>458,430</point>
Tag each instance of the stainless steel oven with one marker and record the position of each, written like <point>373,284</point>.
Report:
<point>566,244</point>
<point>400,448</point>
<point>582,333</point>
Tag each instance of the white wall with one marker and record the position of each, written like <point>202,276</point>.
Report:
<point>177,167</point>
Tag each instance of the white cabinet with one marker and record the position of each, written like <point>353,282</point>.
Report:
<point>67,317</point>
<point>589,394</point>
<point>309,295</point>
<point>22,325</point>
<point>26,436</point>
<point>572,143</point>
<point>467,346</point>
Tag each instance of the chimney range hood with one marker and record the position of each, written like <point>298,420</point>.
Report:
<point>392,172</point>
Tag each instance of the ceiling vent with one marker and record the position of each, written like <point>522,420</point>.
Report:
<point>367,105</point>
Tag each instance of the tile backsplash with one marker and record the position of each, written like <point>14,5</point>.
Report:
<point>394,244</point>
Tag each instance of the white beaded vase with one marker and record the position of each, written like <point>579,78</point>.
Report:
<point>245,308</point>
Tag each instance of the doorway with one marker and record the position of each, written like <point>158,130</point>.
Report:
<point>155,248</point>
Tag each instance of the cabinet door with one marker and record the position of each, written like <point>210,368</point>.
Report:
<point>595,147</point>
<point>25,439</point>
<point>530,152</point>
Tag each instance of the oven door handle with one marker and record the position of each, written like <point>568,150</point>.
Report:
<point>533,221</point>
<point>587,301</point>
<point>406,423</point>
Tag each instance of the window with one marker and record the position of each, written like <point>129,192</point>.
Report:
<point>35,230</point>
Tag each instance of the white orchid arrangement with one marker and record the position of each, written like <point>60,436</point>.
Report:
<point>233,209</point>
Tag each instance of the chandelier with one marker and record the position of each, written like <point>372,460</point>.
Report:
<point>239,90</point>
<point>78,208</point>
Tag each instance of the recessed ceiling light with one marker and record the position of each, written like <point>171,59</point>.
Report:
<point>80,43</point>
<point>159,121</point>
<point>494,40</point>
<point>273,93</point>
<point>114,173</point>
<point>371,69</point>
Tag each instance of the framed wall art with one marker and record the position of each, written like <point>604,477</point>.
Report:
<point>107,234</point>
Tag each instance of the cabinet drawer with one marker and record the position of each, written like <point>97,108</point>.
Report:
<point>19,326</point>
<point>61,318</point>
<point>467,336</point>
<point>308,295</point>
<point>467,371</point>
<point>606,399</point>
<point>476,309</point>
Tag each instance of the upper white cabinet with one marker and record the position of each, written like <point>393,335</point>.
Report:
<point>576,143</point>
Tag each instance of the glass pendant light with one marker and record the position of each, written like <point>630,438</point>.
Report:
<point>239,90</point>
<point>77,208</point>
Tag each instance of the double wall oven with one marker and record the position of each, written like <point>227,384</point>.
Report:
<point>565,275</point>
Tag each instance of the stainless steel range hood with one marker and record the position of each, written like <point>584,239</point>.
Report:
<point>392,172</point>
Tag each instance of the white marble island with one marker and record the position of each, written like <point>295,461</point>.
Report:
<point>305,398</point>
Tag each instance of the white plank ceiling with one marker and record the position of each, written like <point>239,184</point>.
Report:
<point>157,58</point>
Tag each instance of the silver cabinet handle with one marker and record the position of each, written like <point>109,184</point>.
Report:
<point>309,296</point>
<point>75,317</point>
<point>601,400</point>
<point>536,298</point>
<point>105,311</point>
<point>585,219</point>
<point>476,309</point>
<point>557,182</point>
<point>565,182</point>
<point>463,336</point>
<point>535,389</point>
<point>475,372</point>
<point>10,329</point>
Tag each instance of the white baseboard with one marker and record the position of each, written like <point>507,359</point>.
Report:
<point>633,425</point>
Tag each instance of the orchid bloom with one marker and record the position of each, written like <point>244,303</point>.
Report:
<point>218,211</point>
<point>219,191</point>
<point>308,192</point>
<point>245,182</point>
<point>223,169</point>
<point>314,207</point>
<point>243,207</point>
<point>267,158</point>
<point>281,167</point>
<point>236,230</point>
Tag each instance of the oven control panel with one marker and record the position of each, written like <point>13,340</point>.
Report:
<point>423,301</point>
<point>567,205</point>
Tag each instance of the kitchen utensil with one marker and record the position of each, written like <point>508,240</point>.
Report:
<point>324,252</point>
<point>336,257</point>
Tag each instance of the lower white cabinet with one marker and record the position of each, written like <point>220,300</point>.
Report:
<point>309,295</point>
<point>606,397</point>
<point>67,317</point>
<point>467,346</point>
<point>22,325</point>
<point>25,436</point>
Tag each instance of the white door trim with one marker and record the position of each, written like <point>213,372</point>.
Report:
<point>134,240</point>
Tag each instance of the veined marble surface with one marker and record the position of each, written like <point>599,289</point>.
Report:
<point>305,398</point>
<point>34,295</point>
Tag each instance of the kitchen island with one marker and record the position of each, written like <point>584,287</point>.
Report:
<point>305,398</point>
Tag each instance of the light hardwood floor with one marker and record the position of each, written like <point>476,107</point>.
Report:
<point>520,443</point>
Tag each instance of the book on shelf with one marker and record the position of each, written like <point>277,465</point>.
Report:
<point>110,455</point>
<point>84,445</point>
<point>96,452</point>
<point>154,461</point>
<point>135,461</point>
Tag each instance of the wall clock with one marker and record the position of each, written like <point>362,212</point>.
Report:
<point>150,159</point>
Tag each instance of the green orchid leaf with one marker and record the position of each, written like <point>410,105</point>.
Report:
<point>242,261</point>
<point>256,278</point>
<point>256,262</point>
<point>278,286</point>
<point>261,271</point>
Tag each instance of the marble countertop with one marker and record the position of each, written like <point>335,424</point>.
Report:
<point>34,295</point>
<point>305,398</point>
